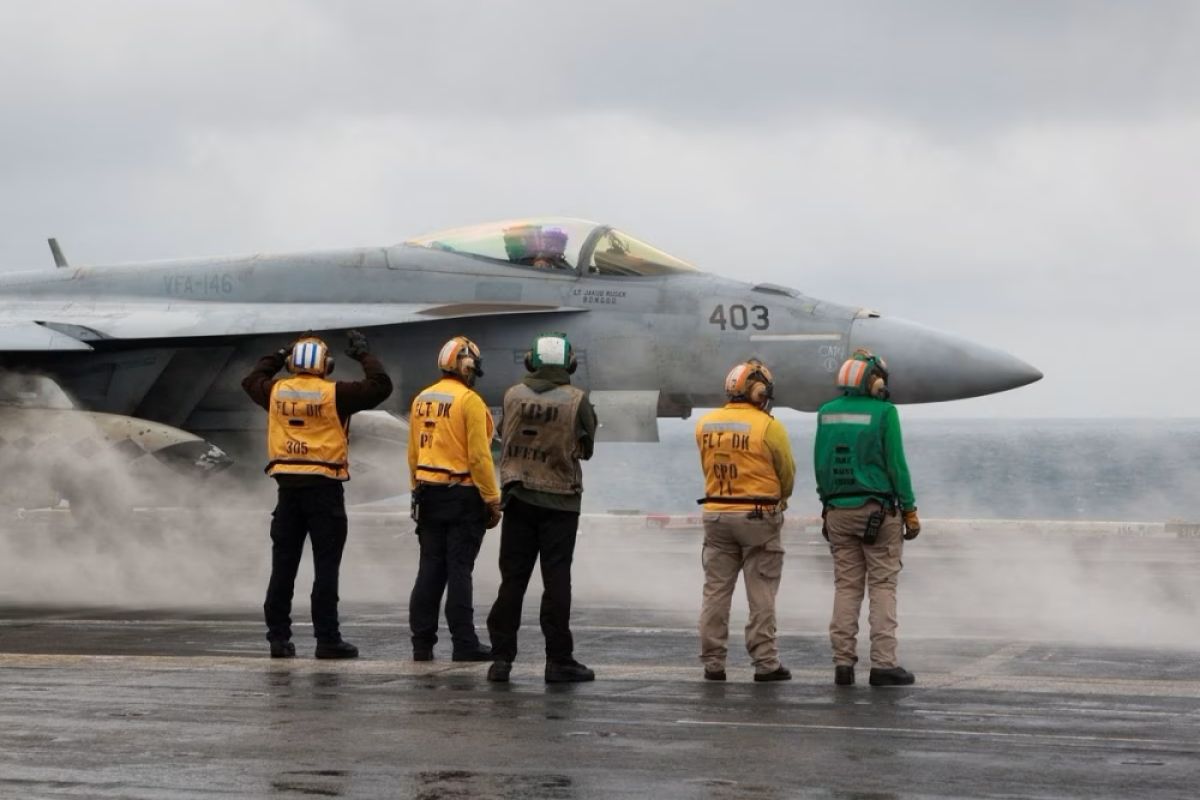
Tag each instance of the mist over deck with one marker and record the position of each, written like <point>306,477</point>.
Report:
<point>1052,660</point>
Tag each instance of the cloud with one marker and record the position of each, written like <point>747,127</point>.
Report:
<point>1023,176</point>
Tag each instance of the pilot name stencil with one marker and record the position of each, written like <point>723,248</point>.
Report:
<point>599,296</point>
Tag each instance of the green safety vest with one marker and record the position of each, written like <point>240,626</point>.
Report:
<point>851,453</point>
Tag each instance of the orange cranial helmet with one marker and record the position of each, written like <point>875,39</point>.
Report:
<point>751,382</point>
<point>461,357</point>
<point>864,373</point>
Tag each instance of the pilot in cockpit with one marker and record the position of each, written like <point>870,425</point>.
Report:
<point>537,246</point>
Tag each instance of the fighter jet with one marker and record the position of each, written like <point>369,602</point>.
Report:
<point>169,342</point>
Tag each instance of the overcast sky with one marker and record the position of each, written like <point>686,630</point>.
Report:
<point>1026,175</point>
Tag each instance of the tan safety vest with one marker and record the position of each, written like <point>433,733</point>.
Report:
<point>442,433</point>
<point>538,443</point>
<point>738,470</point>
<point>304,434</point>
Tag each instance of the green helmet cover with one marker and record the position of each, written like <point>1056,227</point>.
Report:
<point>550,350</point>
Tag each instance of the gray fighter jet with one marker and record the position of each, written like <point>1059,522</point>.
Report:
<point>169,342</point>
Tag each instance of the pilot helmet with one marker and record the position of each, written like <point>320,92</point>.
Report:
<point>864,372</point>
<point>461,357</point>
<point>310,356</point>
<point>551,350</point>
<point>750,382</point>
<point>527,243</point>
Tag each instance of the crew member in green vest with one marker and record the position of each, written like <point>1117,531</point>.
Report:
<point>869,510</point>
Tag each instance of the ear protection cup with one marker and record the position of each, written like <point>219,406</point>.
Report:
<point>758,393</point>
<point>878,388</point>
<point>529,361</point>
<point>573,364</point>
<point>329,364</point>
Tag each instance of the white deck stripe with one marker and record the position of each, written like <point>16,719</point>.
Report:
<point>795,337</point>
<point>932,731</point>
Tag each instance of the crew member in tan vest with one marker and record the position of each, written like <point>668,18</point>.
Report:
<point>748,474</point>
<point>548,427</point>
<point>308,417</point>
<point>455,500</point>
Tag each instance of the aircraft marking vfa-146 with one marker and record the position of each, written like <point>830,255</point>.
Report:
<point>169,342</point>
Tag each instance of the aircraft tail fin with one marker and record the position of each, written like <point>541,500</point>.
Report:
<point>60,260</point>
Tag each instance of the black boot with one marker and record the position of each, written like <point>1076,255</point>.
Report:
<point>781,674</point>
<point>568,672</point>
<point>339,649</point>
<point>480,653</point>
<point>714,674</point>
<point>895,676</point>
<point>282,649</point>
<point>499,671</point>
<point>843,674</point>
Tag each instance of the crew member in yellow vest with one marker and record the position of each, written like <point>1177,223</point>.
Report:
<point>748,473</point>
<point>548,428</point>
<point>308,418</point>
<point>455,499</point>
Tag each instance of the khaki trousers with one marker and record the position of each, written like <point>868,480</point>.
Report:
<point>732,544</point>
<point>857,566</point>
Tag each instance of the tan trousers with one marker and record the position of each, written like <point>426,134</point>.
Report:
<point>733,543</point>
<point>856,567</point>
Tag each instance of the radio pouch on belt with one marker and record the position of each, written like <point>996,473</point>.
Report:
<point>874,522</point>
<point>414,507</point>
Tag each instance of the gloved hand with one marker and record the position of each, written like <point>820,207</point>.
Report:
<point>912,524</point>
<point>358,345</point>
<point>493,509</point>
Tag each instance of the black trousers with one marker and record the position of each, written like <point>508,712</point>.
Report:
<point>450,528</point>
<point>317,511</point>
<point>530,532</point>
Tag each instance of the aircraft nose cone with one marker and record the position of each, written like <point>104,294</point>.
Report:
<point>928,366</point>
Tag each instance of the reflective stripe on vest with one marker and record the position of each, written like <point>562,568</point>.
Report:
<point>304,434</point>
<point>538,447</point>
<point>739,472</point>
<point>442,433</point>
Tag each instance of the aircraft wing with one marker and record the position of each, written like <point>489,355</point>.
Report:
<point>26,335</point>
<point>44,327</point>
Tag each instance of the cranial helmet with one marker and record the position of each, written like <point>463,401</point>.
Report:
<point>751,382</point>
<point>461,357</point>
<point>551,350</point>
<point>864,372</point>
<point>311,356</point>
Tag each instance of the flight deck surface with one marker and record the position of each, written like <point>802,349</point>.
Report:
<point>147,701</point>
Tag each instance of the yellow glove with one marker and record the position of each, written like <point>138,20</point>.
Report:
<point>493,509</point>
<point>912,524</point>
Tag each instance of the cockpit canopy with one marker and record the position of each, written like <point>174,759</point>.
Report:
<point>557,243</point>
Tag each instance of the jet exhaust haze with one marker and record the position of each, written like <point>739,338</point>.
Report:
<point>1015,582</point>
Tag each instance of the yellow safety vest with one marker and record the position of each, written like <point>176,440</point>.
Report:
<point>304,434</point>
<point>739,473</point>
<point>441,433</point>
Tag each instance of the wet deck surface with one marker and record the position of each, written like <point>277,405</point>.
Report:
<point>143,702</point>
